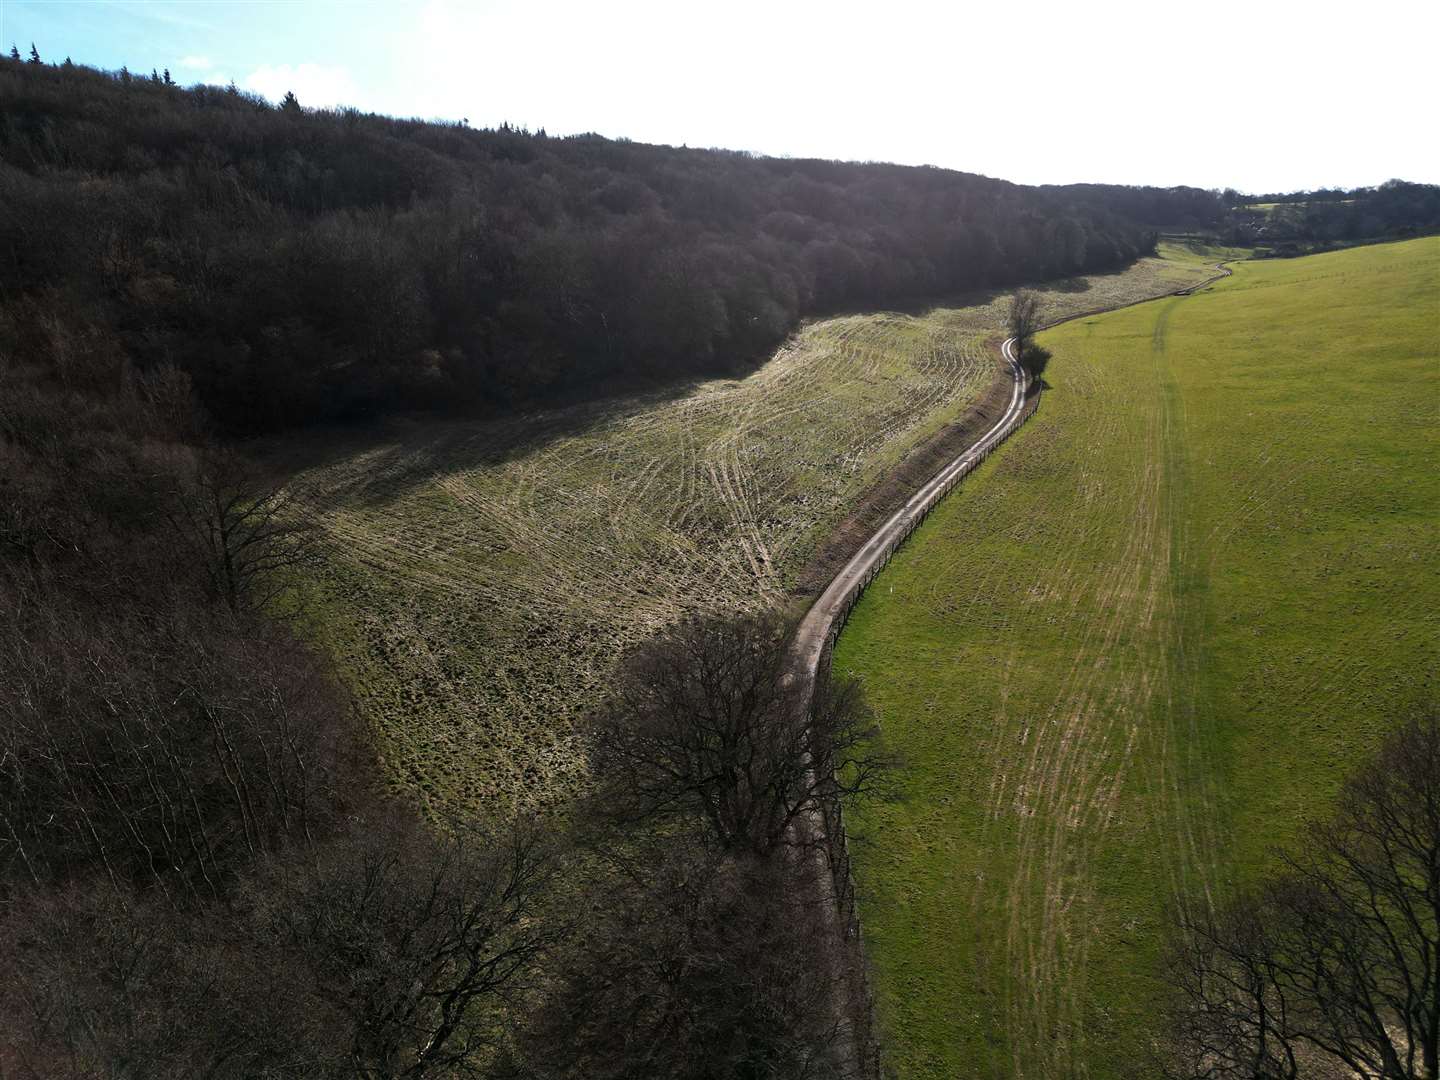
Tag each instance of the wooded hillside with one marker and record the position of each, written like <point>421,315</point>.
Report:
<point>307,265</point>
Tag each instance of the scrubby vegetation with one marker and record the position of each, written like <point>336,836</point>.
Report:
<point>200,873</point>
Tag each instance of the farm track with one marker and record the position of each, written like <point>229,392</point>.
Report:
<point>483,578</point>
<point>823,619</point>
<point>1052,765</point>
<point>1141,651</point>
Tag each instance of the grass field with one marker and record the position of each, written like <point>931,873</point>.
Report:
<point>482,579</point>
<point>1143,642</point>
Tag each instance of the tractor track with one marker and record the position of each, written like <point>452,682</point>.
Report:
<point>815,637</point>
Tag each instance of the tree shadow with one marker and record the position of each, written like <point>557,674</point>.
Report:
<point>1035,360</point>
<point>1064,285</point>
<point>924,304</point>
<point>406,452</point>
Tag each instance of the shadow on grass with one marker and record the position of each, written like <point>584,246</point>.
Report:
<point>405,452</point>
<point>1035,360</point>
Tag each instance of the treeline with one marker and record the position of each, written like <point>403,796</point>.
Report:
<point>1176,209</point>
<point>199,874</point>
<point>1311,221</point>
<point>1288,223</point>
<point>302,265</point>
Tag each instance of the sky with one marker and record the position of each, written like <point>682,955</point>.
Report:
<point>1259,96</point>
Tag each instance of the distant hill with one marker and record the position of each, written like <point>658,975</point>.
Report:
<point>302,265</point>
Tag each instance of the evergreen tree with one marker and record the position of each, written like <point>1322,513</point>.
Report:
<point>167,80</point>
<point>232,89</point>
<point>14,53</point>
<point>290,104</point>
<point>154,75</point>
<point>125,76</point>
<point>69,64</point>
<point>34,54</point>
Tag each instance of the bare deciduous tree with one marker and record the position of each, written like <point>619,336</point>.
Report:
<point>703,964</point>
<point>167,750</point>
<point>416,940</point>
<point>1023,319</point>
<point>1336,957</point>
<point>707,723</point>
<point>242,531</point>
<point>386,952</point>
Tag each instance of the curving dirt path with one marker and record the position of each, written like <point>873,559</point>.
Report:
<point>827,615</point>
<point>822,623</point>
<point>813,639</point>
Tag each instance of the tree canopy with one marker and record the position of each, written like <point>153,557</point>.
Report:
<point>306,265</point>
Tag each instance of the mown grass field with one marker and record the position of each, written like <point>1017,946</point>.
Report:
<point>1141,644</point>
<point>483,578</point>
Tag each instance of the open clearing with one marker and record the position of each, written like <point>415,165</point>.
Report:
<point>1141,643</point>
<point>483,578</point>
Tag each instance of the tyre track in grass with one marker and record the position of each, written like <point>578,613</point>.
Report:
<point>1055,766</point>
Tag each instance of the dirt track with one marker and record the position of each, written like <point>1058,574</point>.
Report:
<point>825,618</point>
<point>827,614</point>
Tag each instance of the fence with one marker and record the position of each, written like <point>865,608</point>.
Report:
<point>815,642</point>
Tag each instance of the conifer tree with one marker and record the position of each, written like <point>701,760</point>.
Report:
<point>34,54</point>
<point>14,52</point>
<point>167,80</point>
<point>154,75</point>
<point>290,103</point>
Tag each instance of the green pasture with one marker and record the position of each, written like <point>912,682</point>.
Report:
<point>1141,645</point>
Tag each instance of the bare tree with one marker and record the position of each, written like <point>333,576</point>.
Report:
<point>708,723</point>
<point>243,531</point>
<point>1023,319</point>
<point>166,749</point>
<point>1229,1020</point>
<point>419,942</point>
<point>1336,957</point>
<point>386,952</point>
<point>702,964</point>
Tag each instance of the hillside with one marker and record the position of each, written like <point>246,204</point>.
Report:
<point>303,266</point>
<point>483,578</point>
<point>403,529</point>
<point>1141,645</point>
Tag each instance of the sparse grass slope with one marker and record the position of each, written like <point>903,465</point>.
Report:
<point>484,578</point>
<point>1141,643</point>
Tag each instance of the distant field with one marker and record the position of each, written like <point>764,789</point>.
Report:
<point>1269,208</point>
<point>483,578</point>
<point>1141,643</point>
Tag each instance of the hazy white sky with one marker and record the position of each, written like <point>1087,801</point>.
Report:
<point>1260,96</point>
